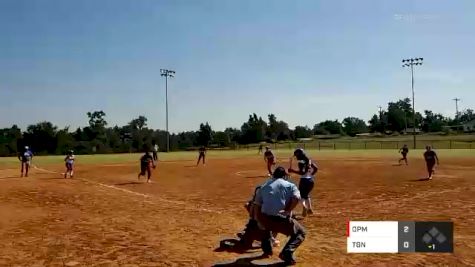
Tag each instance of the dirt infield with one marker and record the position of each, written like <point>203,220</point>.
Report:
<point>105,217</point>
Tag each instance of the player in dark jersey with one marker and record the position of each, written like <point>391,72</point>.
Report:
<point>269,158</point>
<point>307,170</point>
<point>146,165</point>
<point>431,159</point>
<point>404,150</point>
<point>25,159</point>
<point>201,155</point>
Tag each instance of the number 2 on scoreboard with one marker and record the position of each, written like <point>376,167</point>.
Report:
<point>406,229</point>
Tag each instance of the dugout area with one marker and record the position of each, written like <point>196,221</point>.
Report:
<point>105,217</point>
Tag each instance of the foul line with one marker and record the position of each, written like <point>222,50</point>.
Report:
<point>130,191</point>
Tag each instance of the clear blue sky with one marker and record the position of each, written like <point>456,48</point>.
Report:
<point>305,61</point>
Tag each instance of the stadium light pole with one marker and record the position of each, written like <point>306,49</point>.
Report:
<point>410,63</point>
<point>167,73</point>
<point>456,107</point>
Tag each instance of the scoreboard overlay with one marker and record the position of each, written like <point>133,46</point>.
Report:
<point>399,236</point>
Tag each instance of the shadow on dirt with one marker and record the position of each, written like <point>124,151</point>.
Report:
<point>128,183</point>
<point>257,176</point>
<point>247,261</point>
<point>420,180</point>
<point>11,177</point>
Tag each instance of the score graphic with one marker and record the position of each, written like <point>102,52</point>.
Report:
<point>399,237</point>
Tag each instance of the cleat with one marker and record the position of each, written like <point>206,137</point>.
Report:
<point>287,258</point>
<point>266,255</point>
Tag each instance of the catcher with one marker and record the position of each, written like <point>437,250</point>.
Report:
<point>251,232</point>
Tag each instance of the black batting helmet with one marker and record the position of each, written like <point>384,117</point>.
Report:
<point>279,172</point>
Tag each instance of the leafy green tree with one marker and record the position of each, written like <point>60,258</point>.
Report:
<point>9,139</point>
<point>234,134</point>
<point>138,123</point>
<point>302,132</point>
<point>319,130</point>
<point>277,130</point>
<point>353,126</point>
<point>254,130</point>
<point>433,122</point>
<point>97,119</point>
<point>467,116</point>
<point>96,131</point>
<point>222,139</point>
<point>375,124</point>
<point>64,141</point>
<point>331,127</point>
<point>205,134</point>
<point>41,137</point>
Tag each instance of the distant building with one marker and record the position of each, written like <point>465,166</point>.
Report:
<point>365,134</point>
<point>304,139</point>
<point>469,126</point>
<point>411,130</point>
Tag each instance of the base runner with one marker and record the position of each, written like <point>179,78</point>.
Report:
<point>69,161</point>
<point>146,165</point>
<point>25,159</point>
<point>269,158</point>
<point>431,159</point>
<point>307,170</point>
<point>404,150</point>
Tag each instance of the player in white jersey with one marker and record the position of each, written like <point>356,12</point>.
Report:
<point>307,170</point>
<point>155,151</point>
<point>69,160</point>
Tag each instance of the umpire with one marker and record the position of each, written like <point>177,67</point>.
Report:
<point>275,201</point>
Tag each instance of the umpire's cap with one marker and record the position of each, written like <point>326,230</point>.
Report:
<point>279,172</point>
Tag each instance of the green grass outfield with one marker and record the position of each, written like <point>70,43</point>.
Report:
<point>9,162</point>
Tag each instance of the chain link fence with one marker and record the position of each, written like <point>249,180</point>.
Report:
<point>361,145</point>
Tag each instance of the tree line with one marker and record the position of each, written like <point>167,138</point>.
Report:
<point>97,137</point>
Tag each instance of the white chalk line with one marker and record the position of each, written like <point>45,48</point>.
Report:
<point>131,192</point>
